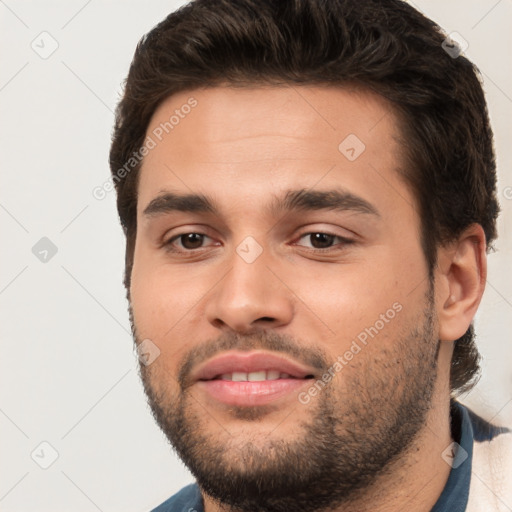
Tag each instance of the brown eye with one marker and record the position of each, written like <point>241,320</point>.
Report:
<point>324,241</point>
<point>186,242</point>
<point>321,240</point>
<point>191,240</point>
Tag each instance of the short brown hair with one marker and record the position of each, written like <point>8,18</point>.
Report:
<point>385,46</point>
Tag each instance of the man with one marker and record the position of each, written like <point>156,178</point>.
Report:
<point>307,190</point>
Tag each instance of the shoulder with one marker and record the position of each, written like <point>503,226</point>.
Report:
<point>491,472</point>
<point>187,499</point>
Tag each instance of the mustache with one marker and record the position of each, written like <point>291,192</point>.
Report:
<point>266,340</point>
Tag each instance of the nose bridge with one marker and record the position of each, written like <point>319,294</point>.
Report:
<point>250,294</point>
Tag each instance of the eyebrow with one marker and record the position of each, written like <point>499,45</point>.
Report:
<point>293,200</point>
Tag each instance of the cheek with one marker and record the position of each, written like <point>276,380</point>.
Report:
<point>156,314</point>
<point>346,295</point>
<point>158,302</point>
<point>375,296</point>
<point>164,300</point>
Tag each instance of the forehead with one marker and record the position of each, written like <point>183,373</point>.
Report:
<point>244,142</point>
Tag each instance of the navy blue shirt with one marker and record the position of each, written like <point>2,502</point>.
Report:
<point>467,428</point>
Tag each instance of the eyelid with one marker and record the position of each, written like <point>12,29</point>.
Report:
<point>327,228</point>
<point>185,229</point>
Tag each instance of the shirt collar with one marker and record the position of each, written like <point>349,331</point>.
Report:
<point>459,455</point>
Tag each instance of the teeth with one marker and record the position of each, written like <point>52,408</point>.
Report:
<point>260,375</point>
<point>255,376</point>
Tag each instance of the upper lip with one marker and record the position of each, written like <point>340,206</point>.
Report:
<point>247,362</point>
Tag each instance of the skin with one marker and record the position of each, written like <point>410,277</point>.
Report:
<point>241,147</point>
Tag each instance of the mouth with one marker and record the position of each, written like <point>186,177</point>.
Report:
<point>248,379</point>
<point>255,376</point>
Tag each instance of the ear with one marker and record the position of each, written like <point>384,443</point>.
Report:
<point>460,276</point>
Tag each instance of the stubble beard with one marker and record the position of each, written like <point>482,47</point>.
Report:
<point>350,434</point>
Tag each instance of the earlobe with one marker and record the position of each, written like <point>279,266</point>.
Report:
<point>462,276</point>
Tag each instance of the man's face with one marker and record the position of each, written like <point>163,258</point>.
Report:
<point>292,312</point>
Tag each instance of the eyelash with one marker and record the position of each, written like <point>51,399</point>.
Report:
<point>344,242</point>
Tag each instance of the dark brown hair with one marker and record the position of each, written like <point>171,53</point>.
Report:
<point>384,46</point>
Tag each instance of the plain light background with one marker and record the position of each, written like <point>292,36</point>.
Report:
<point>68,372</point>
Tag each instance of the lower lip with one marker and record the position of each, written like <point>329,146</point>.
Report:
<point>249,393</point>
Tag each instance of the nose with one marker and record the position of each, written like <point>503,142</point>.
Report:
<point>250,296</point>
